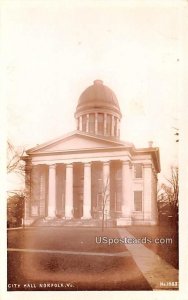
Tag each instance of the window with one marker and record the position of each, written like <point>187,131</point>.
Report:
<point>92,123</point>
<point>138,200</point>
<point>100,123</point>
<point>118,197</point>
<point>108,125</point>
<point>138,170</point>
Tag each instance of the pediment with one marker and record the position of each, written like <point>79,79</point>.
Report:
<point>75,141</point>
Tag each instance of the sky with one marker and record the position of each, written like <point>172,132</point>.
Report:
<point>54,50</point>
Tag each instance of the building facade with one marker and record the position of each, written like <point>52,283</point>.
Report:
<point>90,174</point>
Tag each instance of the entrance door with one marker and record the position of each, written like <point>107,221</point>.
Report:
<point>78,206</point>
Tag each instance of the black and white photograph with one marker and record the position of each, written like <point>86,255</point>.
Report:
<point>94,130</point>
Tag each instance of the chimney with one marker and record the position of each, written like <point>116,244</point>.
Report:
<point>150,144</point>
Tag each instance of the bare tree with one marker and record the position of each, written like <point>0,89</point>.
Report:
<point>105,199</point>
<point>169,192</point>
<point>14,162</point>
<point>15,201</point>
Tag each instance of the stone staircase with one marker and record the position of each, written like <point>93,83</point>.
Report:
<point>58,222</point>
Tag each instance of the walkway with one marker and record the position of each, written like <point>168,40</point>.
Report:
<point>157,271</point>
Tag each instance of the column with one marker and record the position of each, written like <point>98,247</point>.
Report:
<point>63,182</point>
<point>28,167</point>
<point>52,192</point>
<point>117,127</point>
<point>87,191</point>
<point>106,188</point>
<point>96,123</point>
<point>80,123</point>
<point>105,121</point>
<point>147,197</point>
<point>126,190</point>
<point>77,124</point>
<point>112,128</point>
<point>154,208</point>
<point>87,123</point>
<point>69,192</point>
<point>42,192</point>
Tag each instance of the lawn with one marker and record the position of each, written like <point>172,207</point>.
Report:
<point>84,272</point>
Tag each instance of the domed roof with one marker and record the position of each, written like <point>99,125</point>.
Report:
<point>98,96</point>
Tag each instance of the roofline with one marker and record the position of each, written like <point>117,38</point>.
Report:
<point>119,145</point>
<point>38,147</point>
<point>102,149</point>
<point>155,153</point>
<point>49,142</point>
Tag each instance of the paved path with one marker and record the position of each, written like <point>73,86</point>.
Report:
<point>157,271</point>
<point>119,254</point>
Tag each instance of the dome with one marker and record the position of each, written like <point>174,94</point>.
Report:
<point>98,96</point>
<point>98,111</point>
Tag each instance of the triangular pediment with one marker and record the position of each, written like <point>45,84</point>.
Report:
<point>74,141</point>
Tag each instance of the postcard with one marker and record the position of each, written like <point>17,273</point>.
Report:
<point>95,130</point>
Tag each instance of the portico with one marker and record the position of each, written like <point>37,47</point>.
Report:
<point>80,190</point>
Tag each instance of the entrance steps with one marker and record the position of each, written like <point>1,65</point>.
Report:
<point>72,223</point>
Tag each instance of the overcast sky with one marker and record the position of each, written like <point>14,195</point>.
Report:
<point>55,49</point>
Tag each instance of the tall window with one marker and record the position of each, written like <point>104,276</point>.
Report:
<point>92,123</point>
<point>100,123</point>
<point>108,125</point>
<point>118,200</point>
<point>84,119</point>
<point>138,170</point>
<point>138,200</point>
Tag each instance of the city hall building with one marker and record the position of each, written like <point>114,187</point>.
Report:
<point>90,174</point>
